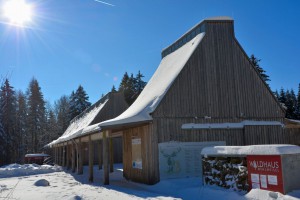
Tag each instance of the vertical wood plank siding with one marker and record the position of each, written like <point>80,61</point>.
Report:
<point>149,173</point>
<point>114,107</point>
<point>292,136</point>
<point>218,83</point>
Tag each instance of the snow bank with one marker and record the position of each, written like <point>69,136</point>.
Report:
<point>277,149</point>
<point>158,85</point>
<point>267,195</point>
<point>13,170</point>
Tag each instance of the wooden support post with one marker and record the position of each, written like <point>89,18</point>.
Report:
<point>100,155</point>
<point>73,157</point>
<point>91,160</point>
<point>57,155</point>
<point>60,155</point>
<point>68,156</point>
<point>111,155</point>
<point>63,155</point>
<point>55,161</point>
<point>105,159</point>
<point>80,167</point>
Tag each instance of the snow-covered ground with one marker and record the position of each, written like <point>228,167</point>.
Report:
<point>30,182</point>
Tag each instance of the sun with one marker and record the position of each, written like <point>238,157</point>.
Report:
<point>18,12</point>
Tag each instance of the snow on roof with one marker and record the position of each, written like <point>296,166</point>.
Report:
<point>273,149</point>
<point>238,125</point>
<point>158,85</point>
<point>80,126</point>
<point>36,155</point>
<point>293,120</point>
<point>219,18</point>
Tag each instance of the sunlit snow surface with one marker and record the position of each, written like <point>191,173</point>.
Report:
<point>18,182</point>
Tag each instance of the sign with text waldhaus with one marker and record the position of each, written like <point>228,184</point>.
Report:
<point>182,159</point>
<point>265,172</point>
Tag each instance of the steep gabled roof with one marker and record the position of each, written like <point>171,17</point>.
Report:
<point>169,68</point>
<point>81,124</point>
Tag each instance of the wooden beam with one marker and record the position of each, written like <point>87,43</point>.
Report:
<point>79,152</point>
<point>91,159</point>
<point>105,159</point>
<point>111,155</point>
<point>100,155</point>
<point>73,156</point>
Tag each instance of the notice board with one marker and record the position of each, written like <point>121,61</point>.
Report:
<point>136,152</point>
<point>265,172</point>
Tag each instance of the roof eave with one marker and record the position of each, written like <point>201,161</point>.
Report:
<point>123,126</point>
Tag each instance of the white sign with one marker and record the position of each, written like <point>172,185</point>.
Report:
<point>263,181</point>
<point>255,186</point>
<point>136,141</point>
<point>182,159</point>
<point>272,179</point>
<point>136,153</point>
<point>255,178</point>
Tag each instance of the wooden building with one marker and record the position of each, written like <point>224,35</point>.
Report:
<point>82,142</point>
<point>205,89</point>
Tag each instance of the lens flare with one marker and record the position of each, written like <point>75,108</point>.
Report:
<point>18,12</point>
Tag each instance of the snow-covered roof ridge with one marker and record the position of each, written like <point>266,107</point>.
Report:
<point>271,149</point>
<point>101,100</point>
<point>192,32</point>
<point>80,124</point>
<point>219,18</point>
<point>158,85</point>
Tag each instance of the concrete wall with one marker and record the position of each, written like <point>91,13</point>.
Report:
<point>290,172</point>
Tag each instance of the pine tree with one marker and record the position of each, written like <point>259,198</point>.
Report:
<point>51,125</point>
<point>297,109</point>
<point>276,94</point>
<point>72,105</point>
<point>78,102</point>
<point>130,93</point>
<point>139,83</point>
<point>290,104</point>
<point>8,120</point>
<point>282,96</point>
<point>2,142</point>
<point>113,89</point>
<point>124,82</point>
<point>36,116</point>
<point>132,86</point>
<point>127,87</point>
<point>255,61</point>
<point>62,111</point>
<point>21,126</point>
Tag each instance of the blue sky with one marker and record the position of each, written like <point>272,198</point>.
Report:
<point>72,42</point>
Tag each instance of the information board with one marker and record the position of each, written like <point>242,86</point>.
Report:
<point>182,159</point>
<point>136,146</point>
<point>265,172</point>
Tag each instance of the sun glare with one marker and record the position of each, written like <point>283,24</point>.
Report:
<point>18,12</point>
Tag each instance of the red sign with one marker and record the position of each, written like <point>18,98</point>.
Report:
<point>265,172</point>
